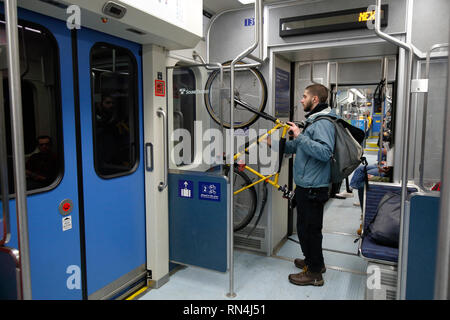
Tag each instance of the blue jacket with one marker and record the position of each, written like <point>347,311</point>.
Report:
<point>313,149</point>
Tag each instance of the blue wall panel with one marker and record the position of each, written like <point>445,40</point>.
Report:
<point>197,225</point>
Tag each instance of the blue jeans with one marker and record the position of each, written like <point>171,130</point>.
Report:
<point>357,181</point>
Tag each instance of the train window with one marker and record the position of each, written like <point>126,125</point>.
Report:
<point>115,110</point>
<point>184,102</point>
<point>39,67</point>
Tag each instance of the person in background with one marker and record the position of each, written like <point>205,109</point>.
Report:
<point>42,167</point>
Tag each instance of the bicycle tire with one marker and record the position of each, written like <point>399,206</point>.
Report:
<point>252,118</point>
<point>244,203</point>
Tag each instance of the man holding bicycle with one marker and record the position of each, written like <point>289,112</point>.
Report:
<point>313,149</point>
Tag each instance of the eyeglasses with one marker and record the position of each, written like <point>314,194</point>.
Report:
<point>44,144</point>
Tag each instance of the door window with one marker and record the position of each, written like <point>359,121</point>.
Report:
<point>115,110</point>
<point>41,105</point>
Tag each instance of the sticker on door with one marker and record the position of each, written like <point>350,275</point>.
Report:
<point>67,223</point>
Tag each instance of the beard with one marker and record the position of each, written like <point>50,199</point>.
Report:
<point>307,107</point>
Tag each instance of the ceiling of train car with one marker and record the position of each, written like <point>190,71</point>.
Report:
<point>216,6</point>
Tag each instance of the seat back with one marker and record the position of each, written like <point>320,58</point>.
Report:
<point>9,274</point>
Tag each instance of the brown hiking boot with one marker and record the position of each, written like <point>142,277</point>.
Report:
<point>306,278</point>
<point>300,263</point>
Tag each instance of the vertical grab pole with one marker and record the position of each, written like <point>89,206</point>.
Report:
<point>337,82</point>
<point>18,144</point>
<point>232,69</point>
<point>384,70</point>
<point>328,82</point>
<point>406,132</point>
<point>442,279</point>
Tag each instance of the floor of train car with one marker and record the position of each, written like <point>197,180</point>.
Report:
<point>262,277</point>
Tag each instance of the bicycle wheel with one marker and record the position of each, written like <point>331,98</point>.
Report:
<point>244,203</point>
<point>249,86</point>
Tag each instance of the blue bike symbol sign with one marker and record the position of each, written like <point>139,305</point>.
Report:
<point>209,191</point>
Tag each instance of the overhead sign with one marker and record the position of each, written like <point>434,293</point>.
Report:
<point>331,21</point>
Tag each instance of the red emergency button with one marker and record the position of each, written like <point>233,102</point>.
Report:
<point>65,207</point>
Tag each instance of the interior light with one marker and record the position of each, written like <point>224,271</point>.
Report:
<point>246,1</point>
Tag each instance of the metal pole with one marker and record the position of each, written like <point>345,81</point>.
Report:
<point>337,83</point>
<point>406,132</point>
<point>258,25</point>
<point>442,285</point>
<point>328,82</point>
<point>18,144</point>
<point>232,66</point>
<point>384,70</point>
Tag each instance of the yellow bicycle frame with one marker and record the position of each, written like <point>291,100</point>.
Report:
<point>274,182</point>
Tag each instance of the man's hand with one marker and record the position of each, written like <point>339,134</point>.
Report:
<point>293,129</point>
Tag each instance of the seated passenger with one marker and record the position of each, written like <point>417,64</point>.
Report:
<point>42,167</point>
<point>373,171</point>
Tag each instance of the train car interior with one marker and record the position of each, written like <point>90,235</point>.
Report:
<point>146,152</point>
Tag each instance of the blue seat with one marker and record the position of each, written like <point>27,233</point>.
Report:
<point>369,249</point>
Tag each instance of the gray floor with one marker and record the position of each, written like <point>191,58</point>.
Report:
<point>259,277</point>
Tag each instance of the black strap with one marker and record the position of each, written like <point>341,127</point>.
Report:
<point>281,153</point>
<point>366,178</point>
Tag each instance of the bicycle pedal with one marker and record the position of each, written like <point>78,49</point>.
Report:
<point>287,194</point>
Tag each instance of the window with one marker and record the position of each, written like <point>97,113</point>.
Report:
<point>184,101</point>
<point>39,67</point>
<point>115,110</point>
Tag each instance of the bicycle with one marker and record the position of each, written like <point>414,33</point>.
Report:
<point>244,193</point>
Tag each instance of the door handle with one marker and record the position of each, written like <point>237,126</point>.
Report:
<point>163,184</point>
<point>149,157</point>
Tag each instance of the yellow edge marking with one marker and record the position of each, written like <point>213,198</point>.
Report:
<point>136,293</point>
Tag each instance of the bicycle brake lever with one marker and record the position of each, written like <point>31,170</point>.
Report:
<point>287,194</point>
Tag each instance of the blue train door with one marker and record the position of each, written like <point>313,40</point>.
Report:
<point>86,212</point>
<point>112,160</point>
<point>49,145</point>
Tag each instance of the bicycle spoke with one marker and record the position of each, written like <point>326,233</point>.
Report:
<point>249,84</point>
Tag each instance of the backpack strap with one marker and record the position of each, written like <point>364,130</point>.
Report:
<point>281,149</point>
<point>366,178</point>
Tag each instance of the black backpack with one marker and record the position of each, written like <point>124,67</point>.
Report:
<point>348,151</point>
<point>384,229</point>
